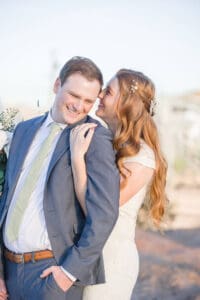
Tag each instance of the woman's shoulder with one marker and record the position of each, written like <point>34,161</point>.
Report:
<point>145,156</point>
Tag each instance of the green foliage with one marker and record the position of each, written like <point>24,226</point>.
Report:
<point>3,161</point>
<point>180,164</point>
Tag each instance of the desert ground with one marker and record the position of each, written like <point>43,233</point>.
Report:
<point>170,260</point>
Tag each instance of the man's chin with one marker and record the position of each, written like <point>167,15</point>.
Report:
<point>71,121</point>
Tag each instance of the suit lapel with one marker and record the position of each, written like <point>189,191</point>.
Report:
<point>25,141</point>
<point>61,147</point>
<point>27,137</point>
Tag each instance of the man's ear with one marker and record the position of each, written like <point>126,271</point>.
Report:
<point>57,85</point>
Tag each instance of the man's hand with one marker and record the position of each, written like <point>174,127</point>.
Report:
<point>60,277</point>
<point>3,290</point>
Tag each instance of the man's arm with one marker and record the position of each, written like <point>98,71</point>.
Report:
<point>102,203</point>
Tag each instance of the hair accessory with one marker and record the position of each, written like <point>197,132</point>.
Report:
<point>153,104</point>
<point>134,86</point>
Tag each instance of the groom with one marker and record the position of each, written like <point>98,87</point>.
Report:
<point>49,249</point>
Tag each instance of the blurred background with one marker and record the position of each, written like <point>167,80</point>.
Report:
<point>159,38</point>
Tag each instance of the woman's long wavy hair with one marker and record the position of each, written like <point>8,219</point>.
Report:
<point>135,122</point>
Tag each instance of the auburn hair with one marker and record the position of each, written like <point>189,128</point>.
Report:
<point>135,122</point>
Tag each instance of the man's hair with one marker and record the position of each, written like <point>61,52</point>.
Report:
<point>85,66</point>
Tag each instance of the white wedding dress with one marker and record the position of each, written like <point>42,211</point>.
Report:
<point>120,253</point>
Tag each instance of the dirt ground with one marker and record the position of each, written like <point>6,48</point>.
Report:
<point>170,261</point>
<point>169,265</point>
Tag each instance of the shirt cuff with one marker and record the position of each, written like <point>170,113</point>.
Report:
<point>68,274</point>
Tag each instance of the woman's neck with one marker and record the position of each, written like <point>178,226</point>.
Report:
<point>112,125</point>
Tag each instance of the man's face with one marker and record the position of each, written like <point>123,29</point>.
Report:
<point>74,99</point>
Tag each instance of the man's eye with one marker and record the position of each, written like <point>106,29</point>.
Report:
<point>90,101</point>
<point>74,96</point>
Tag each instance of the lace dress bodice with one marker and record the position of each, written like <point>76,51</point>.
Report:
<point>129,211</point>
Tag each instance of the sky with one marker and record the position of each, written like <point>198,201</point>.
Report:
<point>157,37</point>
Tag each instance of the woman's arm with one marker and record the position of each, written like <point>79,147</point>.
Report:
<point>80,139</point>
<point>140,174</point>
<point>80,180</point>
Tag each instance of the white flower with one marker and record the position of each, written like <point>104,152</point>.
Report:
<point>9,139</point>
<point>3,139</point>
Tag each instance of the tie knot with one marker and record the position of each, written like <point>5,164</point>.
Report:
<point>54,128</point>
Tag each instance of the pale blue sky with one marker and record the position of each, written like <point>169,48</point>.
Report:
<point>160,38</point>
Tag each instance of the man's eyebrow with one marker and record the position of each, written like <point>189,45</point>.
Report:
<point>79,96</point>
<point>74,94</point>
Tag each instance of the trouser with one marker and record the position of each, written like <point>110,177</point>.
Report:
<point>23,282</point>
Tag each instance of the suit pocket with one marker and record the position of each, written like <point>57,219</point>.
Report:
<point>52,284</point>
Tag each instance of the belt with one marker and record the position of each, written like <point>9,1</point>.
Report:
<point>28,256</point>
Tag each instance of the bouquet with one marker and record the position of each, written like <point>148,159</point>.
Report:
<point>7,124</point>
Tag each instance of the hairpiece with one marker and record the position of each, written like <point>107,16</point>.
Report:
<point>153,104</point>
<point>134,86</point>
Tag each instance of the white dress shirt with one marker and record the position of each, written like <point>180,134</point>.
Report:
<point>33,234</point>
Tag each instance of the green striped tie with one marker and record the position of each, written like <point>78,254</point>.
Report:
<point>30,184</point>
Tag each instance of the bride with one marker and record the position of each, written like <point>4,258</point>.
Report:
<point>127,106</point>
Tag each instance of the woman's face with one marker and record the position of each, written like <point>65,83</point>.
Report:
<point>108,101</point>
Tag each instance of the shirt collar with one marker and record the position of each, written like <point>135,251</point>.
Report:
<point>49,120</point>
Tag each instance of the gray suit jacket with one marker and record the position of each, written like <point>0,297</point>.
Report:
<point>76,240</point>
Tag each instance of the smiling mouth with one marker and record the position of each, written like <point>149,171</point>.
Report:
<point>73,112</point>
<point>100,106</point>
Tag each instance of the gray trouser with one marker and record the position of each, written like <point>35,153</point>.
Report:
<point>24,283</point>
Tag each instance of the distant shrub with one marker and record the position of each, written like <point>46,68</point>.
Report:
<point>180,164</point>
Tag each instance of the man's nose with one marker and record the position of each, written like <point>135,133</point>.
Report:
<point>101,95</point>
<point>78,105</point>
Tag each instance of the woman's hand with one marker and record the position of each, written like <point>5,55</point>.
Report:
<point>80,139</point>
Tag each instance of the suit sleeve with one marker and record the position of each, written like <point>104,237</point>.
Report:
<point>3,200</point>
<point>102,201</point>
<point>2,203</point>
